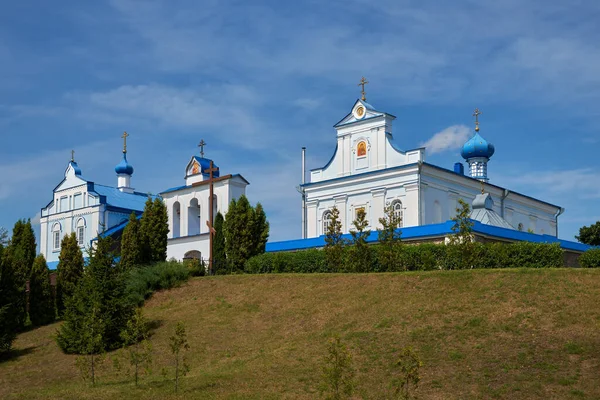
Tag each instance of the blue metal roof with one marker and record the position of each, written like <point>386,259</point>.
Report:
<point>176,188</point>
<point>116,228</point>
<point>114,197</point>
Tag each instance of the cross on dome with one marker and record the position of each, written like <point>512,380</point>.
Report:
<point>476,114</point>
<point>362,83</point>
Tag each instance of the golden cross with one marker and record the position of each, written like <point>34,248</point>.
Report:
<point>72,155</point>
<point>125,136</point>
<point>201,145</point>
<point>476,114</point>
<point>362,83</point>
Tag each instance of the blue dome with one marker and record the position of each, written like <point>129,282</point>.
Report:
<point>477,147</point>
<point>123,167</point>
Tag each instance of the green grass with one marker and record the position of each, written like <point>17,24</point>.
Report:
<point>501,334</point>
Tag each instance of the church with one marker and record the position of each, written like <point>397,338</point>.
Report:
<point>89,209</point>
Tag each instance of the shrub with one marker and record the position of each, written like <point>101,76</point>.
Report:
<point>590,259</point>
<point>305,261</point>
<point>141,282</point>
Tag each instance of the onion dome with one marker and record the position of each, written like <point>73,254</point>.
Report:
<point>124,167</point>
<point>477,147</point>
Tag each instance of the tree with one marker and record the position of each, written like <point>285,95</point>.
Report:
<point>338,373</point>
<point>389,240</point>
<point>461,240</point>
<point>246,232</point>
<point>10,296</point>
<point>41,303</point>
<point>590,234</point>
<point>102,289</point>
<point>131,244</point>
<point>334,243</point>
<point>409,365</point>
<point>219,255</point>
<point>92,342</point>
<point>360,257</point>
<point>138,347</point>
<point>178,342</point>
<point>24,249</point>
<point>154,230</point>
<point>69,270</point>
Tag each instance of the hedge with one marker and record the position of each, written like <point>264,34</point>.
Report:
<point>145,280</point>
<point>590,259</point>
<point>423,257</point>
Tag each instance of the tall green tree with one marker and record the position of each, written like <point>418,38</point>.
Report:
<point>260,226</point>
<point>590,234</point>
<point>131,244</point>
<point>41,303</point>
<point>146,226</point>
<point>219,254</point>
<point>461,241</point>
<point>69,270</point>
<point>154,230</point>
<point>360,252</point>
<point>334,243</point>
<point>24,249</point>
<point>389,239</point>
<point>103,287</point>
<point>10,298</point>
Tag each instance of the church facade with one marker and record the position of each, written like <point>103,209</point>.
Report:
<point>369,172</point>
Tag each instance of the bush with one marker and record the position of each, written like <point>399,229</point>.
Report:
<point>590,259</point>
<point>145,280</point>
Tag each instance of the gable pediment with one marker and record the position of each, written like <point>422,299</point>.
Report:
<point>361,111</point>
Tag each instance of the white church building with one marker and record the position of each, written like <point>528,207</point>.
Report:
<point>89,209</point>
<point>368,171</point>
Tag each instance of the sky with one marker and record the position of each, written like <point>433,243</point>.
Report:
<point>257,80</point>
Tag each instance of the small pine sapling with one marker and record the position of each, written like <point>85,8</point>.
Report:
<point>334,243</point>
<point>408,377</point>
<point>360,252</point>
<point>338,373</point>
<point>389,240</point>
<point>178,343</point>
<point>93,345</point>
<point>137,349</point>
<point>461,240</point>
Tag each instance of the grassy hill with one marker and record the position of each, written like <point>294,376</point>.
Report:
<point>510,334</point>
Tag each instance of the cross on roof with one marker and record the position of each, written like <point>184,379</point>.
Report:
<point>476,114</point>
<point>201,145</point>
<point>362,83</point>
<point>72,155</point>
<point>125,136</point>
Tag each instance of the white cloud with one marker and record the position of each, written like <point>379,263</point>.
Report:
<point>450,138</point>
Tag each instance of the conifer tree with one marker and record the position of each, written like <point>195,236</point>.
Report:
<point>219,257</point>
<point>178,342</point>
<point>360,253</point>
<point>69,270</point>
<point>102,286</point>
<point>158,242</point>
<point>334,243</point>
<point>239,237</point>
<point>461,241</point>
<point>261,230</point>
<point>146,223</point>
<point>131,244</point>
<point>138,350</point>
<point>24,249</point>
<point>10,296</point>
<point>389,240</point>
<point>41,303</point>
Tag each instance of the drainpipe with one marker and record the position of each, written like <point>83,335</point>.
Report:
<point>558,213</point>
<point>303,181</point>
<point>505,194</point>
<point>420,165</point>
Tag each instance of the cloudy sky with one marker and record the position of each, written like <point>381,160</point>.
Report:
<point>257,80</point>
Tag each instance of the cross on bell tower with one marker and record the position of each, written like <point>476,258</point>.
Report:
<point>201,145</point>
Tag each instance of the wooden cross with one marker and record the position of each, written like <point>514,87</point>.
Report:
<point>476,114</point>
<point>201,145</point>
<point>362,83</point>
<point>72,155</point>
<point>125,136</point>
<point>210,221</point>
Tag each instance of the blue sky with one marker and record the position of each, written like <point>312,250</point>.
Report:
<point>257,80</point>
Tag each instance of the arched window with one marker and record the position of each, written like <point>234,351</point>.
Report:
<point>361,149</point>
<point>397,208</point>
<point>326,221</point>
<point>56,230</point>
<point>520,227</point>
<point>176,219</point>
<point>194,217</point>
<point>80,231</point>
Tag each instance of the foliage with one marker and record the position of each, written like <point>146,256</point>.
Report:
<point>23,250</point>
<point>141,282</point>
<point>131,244</point>
<point>389,240</point>
<point>92,342</point>
<point>337,373</point>
<point>590,234</point>
<point>334,242</point>
<point>360,252</point>
<point>154,228</point>
<point>138,349</point>
<point>219,254</point>
<point>178,343</point>
<point>246,232</point>
<point>101,290</point>
<point>461,241</point>
<point>590,259</point>
<point>305,261</point>
<point>69,270</point>
<point>409,365</point>
<point>195,267</point>
<point>10,296</point>
<point>41,301</point>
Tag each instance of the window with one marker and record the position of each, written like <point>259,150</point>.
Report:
<point>80,235</point>
<point>397,207</point>
<point>326,221</point>
<point>78,201</point>
<point>64,204</point>
<point>56,237</point>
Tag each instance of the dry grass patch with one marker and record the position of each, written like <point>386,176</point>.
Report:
<point>481,334</point>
